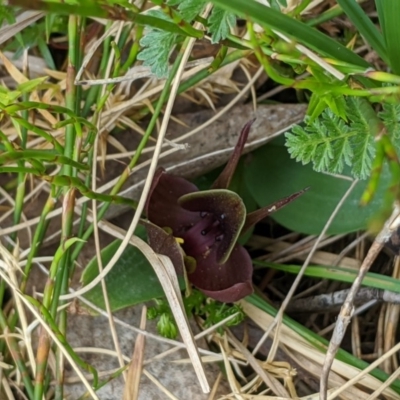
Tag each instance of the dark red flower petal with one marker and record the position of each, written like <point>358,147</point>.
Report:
<point>227,208</point>
<point>165,243</point>
<point>226,282</point>
<point>162,206</point>
<point>224,178</point>
<point>232,294</point>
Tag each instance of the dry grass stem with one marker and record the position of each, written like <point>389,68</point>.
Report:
<point>279,316</point>
<point>298,348</point>
<point>131,390</point>
<point>347,309</point>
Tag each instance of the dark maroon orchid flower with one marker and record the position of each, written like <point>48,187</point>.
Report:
<point>208,224</point>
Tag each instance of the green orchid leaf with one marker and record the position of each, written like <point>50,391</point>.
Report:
<point>131,281</point>
<point>271,174</point>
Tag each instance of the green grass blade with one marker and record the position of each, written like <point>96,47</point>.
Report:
<point>293,28</point>
<point>45,155</point>
<point>365,26</point>
<point>103,9</point>
<point>373,280</point>
<point>389,12</point>
<point>40,132</point>
<point>73,182</point>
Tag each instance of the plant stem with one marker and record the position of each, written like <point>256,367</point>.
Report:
<point>15,352</point>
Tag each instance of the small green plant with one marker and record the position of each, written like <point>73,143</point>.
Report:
<point>196,304</point>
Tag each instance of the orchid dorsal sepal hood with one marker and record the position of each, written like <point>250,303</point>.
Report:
<point>207,225</point>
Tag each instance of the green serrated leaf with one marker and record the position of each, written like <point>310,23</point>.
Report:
<point>188,9</point>
<point>131,281</point>
<point>330,143</point>
<point>220,23</point>
<point>390,116</point>
<point>363,121</point>
<point>364,152</point>
<point>322,153</point>
<point>157,47</point>
<point>342,152</point>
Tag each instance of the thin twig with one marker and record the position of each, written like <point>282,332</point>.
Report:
<point>348,307</point>
<point>279,316</point>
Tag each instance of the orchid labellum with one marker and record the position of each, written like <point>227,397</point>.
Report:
<point>206,224</point>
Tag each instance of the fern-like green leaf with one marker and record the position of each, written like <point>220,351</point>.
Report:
<point>362,116</point>
<point>341,148</point>
<point>188,9</point>
<point>366,123</point>
<point>325,143</point>
<point>300,146</point>
<point>220,23</point>
<point>322,153</point>
<point>364,152</point>
<point>157,45</point>
<point>390,116</point>
<point>330,143</point>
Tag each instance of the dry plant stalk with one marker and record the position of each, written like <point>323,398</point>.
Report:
<point>347,309</point>
<point>131,390</point>
<point>296,347</point>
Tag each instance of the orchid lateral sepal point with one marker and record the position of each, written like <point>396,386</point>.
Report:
<point>258,215</point>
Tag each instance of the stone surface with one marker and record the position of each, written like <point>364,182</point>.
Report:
<point>94,331</point>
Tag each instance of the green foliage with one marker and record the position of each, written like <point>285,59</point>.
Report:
<point>32,36</point>
<point>220,22</point>
<point>188,9</point>
<point>283,175</point>
<point>211,311</point>
<point>157,44</point>
<point>7,15</point>
<point>390,116</point>
<point>157,47</point>
<point>330,142</point>
<point>131,281</point>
